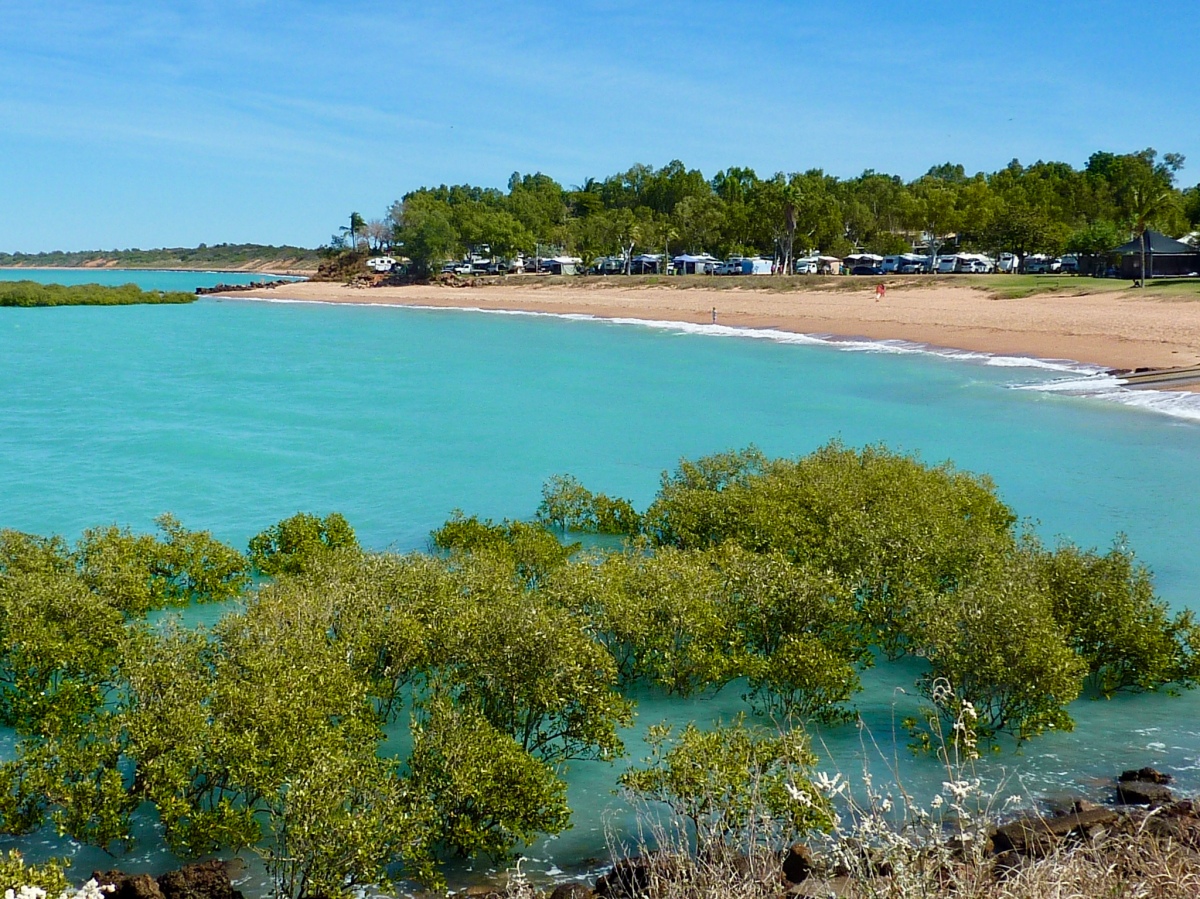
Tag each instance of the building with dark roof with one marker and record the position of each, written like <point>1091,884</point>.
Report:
<point>1165,258</point>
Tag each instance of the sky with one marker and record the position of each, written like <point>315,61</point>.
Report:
<point>148,124</point>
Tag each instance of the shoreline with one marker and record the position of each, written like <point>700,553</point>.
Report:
<point>244,270</point>
<point>1113,330</point>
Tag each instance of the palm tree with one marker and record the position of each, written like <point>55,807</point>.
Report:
<point>357,225</point>
<point>1146,202</point>
<point>791,207</point>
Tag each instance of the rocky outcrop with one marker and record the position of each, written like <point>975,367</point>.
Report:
<point>202,880</point>
<point>798,863</point>
<point>629,877</point>
<point>1145,775</point>
<point>1036,836</point>
<point>1145,786</point>
<point>235,288</point>
<point>573,890</point>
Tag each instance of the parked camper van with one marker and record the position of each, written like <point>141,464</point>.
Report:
<point>381,264</point>
<point>946,264</point>
<point>1008,263</point>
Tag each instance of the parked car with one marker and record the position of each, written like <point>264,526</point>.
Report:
<point>806,267</point>
<point>1070,265</point>
<point>866,270</point>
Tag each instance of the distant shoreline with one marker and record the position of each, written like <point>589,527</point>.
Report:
<point>1112,330</point>
<point>233,270</point>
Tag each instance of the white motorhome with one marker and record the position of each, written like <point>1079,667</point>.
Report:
<point>381,264</point>
<point>1008,263</point>
<point>907,263</point>
<point>946,264</point>
<point>975,264</point>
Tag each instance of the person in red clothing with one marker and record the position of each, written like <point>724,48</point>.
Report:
<point>880,291</point>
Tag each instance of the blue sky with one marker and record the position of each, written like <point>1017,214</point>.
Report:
<point>147,124</point>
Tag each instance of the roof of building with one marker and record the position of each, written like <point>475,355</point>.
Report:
<point>1156,243</point>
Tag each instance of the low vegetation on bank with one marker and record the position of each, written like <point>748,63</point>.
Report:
<point>509,654</point>
<point>1001,286</point>
<point>224,256</point>
<point>32,293</point>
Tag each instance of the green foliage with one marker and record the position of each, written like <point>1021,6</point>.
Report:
<point>514,654</point>
<point>720,779</point>
<point>33,293</point>
<point>803,680</point>
<point>16,873</point>
<point>887,528</point>
<point>424,231</point>
<point>138,573</point>
<point>1106,605</point>
<point>532,671</point>
<point>533,551</point>
<point>1021,209</point>
<point>568,505</point>
<point>289,545</point>
<point>489,794</point>
<point>996,641</point>
<point>341,823</point>
<point>665,620</point>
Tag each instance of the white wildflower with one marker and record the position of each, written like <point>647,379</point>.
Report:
<point>830,786</point>
<point>798,795</point>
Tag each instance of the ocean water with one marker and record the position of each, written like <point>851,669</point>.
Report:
<point>233,414</point>
<point>186,281</point>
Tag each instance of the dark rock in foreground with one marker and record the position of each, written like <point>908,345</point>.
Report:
<point>202,880</point>
<point>1145,775</point>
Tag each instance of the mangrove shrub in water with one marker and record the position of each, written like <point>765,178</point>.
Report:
<point>33,293</point>
<point>512,654</point>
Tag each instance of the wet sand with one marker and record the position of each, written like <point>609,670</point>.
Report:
<point>1115,329</point>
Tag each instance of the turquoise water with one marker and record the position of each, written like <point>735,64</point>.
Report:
<point>233,414</point>
<point>147,280</point>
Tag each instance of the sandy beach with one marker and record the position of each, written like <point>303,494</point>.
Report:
<point>1114,329</point>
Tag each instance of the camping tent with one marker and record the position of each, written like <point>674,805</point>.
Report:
<point>687,264</point>
<point>1164,257</point>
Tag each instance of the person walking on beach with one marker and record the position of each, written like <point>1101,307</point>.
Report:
<point>880,291</point>
<point>714,315</point>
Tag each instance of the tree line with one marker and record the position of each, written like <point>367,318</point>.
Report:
<point>221,255</point>
<point>1048,207</point>
<point>510,653</point>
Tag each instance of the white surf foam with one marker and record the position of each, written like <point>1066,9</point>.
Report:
<point>1090,381</point>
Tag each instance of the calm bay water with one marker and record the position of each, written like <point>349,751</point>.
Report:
<point>186,281</point>
<point>234,414</point>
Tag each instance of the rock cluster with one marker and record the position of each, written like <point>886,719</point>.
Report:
<point>1144,807</point>
<point>202,880</point>
<point>234,288</point>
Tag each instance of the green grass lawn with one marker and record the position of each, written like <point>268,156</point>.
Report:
<point>1003,286</point>
<point>1018,286</point>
